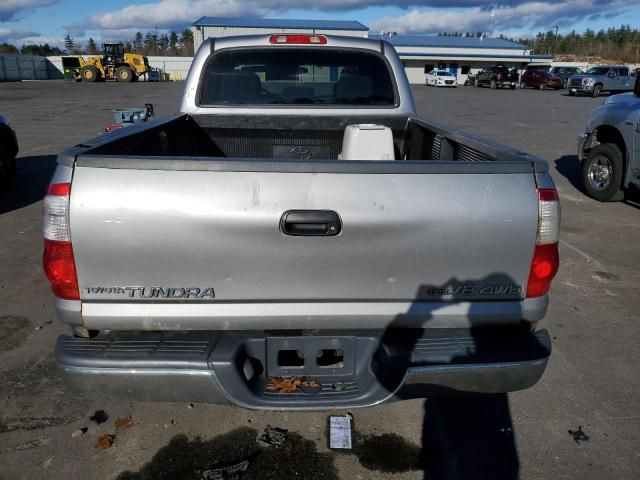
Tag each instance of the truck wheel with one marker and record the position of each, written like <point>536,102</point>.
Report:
<point>492,84</point>
<point>124,74</point>
<point>602,173</point>
<point>90,73</point>
<point>513,86</point>
<point>596,91</point>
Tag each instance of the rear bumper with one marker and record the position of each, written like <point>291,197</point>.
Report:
<point>301,315</point>
<point>232,367</point>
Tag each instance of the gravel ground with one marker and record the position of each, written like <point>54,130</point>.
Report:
<point>581,421</point>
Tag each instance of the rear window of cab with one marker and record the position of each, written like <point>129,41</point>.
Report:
<point>304,76</point>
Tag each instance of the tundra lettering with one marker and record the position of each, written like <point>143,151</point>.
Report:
<point>154,292</point>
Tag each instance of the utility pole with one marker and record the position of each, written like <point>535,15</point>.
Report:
<point>156,41</point>
<point>555,42</point>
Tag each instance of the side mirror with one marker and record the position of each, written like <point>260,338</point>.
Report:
<point>636,87</point>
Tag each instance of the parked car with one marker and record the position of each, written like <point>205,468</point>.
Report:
<point>441,78</point>
<point>497,76</point>
<point>606,78</point>
<point>608,149</point>
<point>204,255</point>
<point>564,73</point>
<point>540,79</point>
<point>8,152</point>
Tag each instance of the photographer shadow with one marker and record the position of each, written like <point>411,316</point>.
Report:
<point>465,434</point>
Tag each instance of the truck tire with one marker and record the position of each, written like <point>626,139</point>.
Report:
<point>492,84</point>
<point>90,74</point>
<point>124,74</point>
<point>602,173</point>
<point>596,90</point>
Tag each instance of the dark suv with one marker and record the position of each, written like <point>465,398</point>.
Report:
<point>564,73</point>
<point>540,79</point>
<point>497,76</point>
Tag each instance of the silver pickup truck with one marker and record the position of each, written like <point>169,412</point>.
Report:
<point>605,78</point>
<point>609,149</point>
<point>298,220</point>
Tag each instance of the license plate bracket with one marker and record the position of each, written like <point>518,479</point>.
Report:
<point>310,356</point>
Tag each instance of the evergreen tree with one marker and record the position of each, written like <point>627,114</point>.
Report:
<point>150,44</point>
<point>8,48</point>
<point>91,46</point>
<point>163,44</point>
<point>43,50</point>
<point>186,43</point>
<point>69,43</point>
<point>173,43</point>
<point>138,44</point>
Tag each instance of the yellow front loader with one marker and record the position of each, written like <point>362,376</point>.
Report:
<point>113,64</point>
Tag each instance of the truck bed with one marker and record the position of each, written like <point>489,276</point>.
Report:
<point>261,137</point>
<point>197,202</point>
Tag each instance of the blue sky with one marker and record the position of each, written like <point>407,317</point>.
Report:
<point>39,21</point>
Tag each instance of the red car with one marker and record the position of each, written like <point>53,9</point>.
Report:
<point>540,79</point>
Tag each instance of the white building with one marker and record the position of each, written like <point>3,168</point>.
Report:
<point>459,55</point>
<point>420,54</point>
<point>207,27</point>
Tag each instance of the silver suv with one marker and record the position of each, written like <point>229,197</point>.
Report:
<point>605,78</point>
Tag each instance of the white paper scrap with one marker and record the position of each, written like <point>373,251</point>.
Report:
<point>340,431</point>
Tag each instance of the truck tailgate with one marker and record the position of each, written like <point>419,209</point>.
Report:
<point>207,242</point>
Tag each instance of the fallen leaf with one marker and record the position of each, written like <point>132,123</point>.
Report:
<point>122,423</point>
<point>105,441</point>
<point>283,384</point>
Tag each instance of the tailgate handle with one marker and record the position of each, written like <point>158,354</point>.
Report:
<point>315,223</point>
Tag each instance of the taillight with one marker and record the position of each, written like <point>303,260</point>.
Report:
<point>299,39</point>
<point>546,260</point>
<point>57,260</point>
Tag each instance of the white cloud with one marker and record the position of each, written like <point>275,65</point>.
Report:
<point>524,17</point>
<point>7,34</point>
<point>25,37</point>
<point>172,12</point>
<point>429,16</point>
<point>9,8</point>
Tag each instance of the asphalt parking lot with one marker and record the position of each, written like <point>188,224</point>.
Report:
<point>581,421</point>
